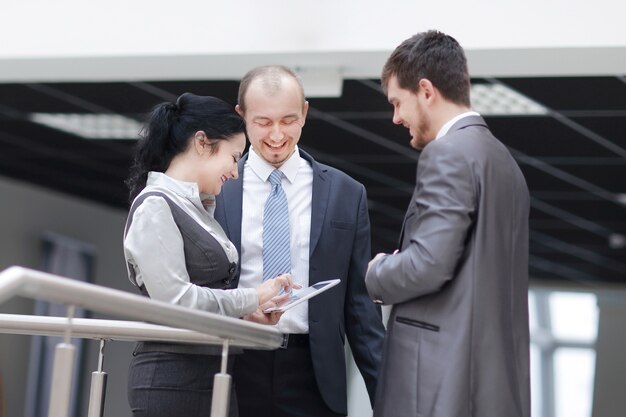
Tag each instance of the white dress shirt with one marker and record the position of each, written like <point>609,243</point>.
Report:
<point>154,247</point>
<point>297,183</point>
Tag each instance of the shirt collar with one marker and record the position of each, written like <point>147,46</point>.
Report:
<point>446,127</point>
<point>263,169</point>
<point>182,188</point>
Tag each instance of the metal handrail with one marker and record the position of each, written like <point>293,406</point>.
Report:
<point>190,326</point>
<point>116,330</point>
<point>19,281</point>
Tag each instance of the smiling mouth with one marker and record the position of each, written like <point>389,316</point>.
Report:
<point>275,147</point>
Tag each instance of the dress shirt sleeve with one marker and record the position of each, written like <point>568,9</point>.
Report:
<point>445,199</point>
<point>364,326</point>
<point>154,246</point>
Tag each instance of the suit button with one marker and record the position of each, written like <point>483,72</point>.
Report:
<point>232,270</point>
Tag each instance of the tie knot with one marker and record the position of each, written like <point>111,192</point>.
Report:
<point>275,177</point>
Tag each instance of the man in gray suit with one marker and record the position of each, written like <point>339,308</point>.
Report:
<point>457,341</point>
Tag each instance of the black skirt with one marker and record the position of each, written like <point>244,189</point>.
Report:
<point>163,384</point>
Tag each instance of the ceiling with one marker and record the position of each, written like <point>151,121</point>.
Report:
<point>573,157</point>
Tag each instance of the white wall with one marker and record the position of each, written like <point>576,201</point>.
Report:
<point>74,40</point>
<point>188,27</point>
<point>26,212</point>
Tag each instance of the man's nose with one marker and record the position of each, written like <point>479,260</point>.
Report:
<point>276,133</point>
<point>396,118</point>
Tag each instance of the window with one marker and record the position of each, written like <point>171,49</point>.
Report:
<point>563,330</point>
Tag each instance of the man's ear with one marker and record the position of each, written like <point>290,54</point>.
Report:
<point>427,88</point>
<point>305,110</point>
<point>238,110</point>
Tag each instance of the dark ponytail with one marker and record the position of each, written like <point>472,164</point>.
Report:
<point>171,126</point>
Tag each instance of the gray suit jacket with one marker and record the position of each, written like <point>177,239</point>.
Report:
<point>457,342</point>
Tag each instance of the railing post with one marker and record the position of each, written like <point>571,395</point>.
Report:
<point>221,387</point>
<point>63,368</point>
<point>98,387</point>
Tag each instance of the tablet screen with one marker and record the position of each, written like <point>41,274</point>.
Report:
<point>299,296</point>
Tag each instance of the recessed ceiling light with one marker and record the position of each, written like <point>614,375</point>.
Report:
<point>321,82</point>
<point>499,100</point>
<point>617,241</point>
<point>621,198</point>
<point>90,125</point>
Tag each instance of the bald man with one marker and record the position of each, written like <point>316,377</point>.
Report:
<point>329,238</point>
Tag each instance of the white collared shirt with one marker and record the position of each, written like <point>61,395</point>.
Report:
<point>446,127</point>
<point>297,183</point>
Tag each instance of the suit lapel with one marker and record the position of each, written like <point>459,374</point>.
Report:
<point>410,211</point>
<point>319,199</point>
<point>233,198</point>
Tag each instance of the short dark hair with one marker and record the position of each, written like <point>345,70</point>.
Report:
<point>170,128</point>
<point>432,55</point>
<point>271,76</point>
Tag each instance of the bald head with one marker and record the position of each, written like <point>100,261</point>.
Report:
<point>271,79</point>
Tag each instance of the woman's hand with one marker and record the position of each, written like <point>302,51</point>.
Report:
<point>272,287</point>
<point>268,299</point>
<point>263,318</point>
<point>267,293</point>
<point>260,316</point>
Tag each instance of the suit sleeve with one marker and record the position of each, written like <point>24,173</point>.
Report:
<point>445,201</point>
<point>364,327</point>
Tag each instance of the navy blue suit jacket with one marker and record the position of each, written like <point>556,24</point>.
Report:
<point>339,248</point>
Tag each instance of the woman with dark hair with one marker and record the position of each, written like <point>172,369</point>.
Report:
<point>176,251</point>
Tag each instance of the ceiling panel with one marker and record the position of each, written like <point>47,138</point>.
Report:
<point>573,158</point>
<point>574,93</point>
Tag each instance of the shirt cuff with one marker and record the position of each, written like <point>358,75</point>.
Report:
<point>250,300</point>
<point>373,288</point>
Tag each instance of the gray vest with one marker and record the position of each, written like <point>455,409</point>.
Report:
<point>207,266</point>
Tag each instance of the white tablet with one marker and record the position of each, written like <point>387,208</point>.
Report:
<point>299,296</point>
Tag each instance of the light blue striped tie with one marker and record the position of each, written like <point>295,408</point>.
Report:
<point>276,249</point>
